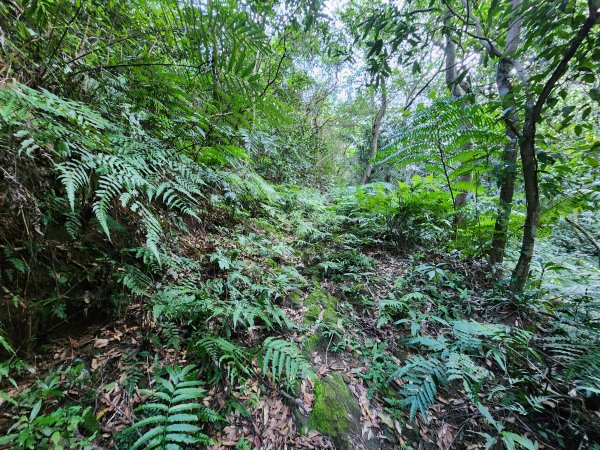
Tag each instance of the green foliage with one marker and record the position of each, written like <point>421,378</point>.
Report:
<point>442,138</point>
<point>139,147</point>
<point>57,429</point>
<point>174,413</point>
<point>421,377</point>
<point>45,420</point>
<point>456,359</point>
<point>404,215</point>
<point>279,358</point>
<point>138,172</point>
<point>225,355</point>
<point>580,358</point>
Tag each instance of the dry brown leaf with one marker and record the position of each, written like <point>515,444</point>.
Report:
<point>445,437</point>
<point>100,343</point>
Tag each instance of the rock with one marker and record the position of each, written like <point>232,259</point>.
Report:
<point>320,300</point>
<point>336,413</point>
<point>320,310</point>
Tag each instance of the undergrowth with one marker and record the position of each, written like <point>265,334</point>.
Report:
<point>214,265</point>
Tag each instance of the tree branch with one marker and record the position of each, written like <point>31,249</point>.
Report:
<point>587,234</point>
<point>270,82</point>
<point>117,66</point>
<point>561,68</point>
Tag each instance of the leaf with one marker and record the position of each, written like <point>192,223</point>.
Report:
<point>35,410</point>
<point>510,439</point>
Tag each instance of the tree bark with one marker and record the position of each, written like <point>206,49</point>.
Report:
<point>509,157</point>
<point>527,150</point>
<point>457,90</point>
<point>375,135</point>
<point>507,190</point>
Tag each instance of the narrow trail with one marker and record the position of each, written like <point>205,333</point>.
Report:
<point>384,332</point>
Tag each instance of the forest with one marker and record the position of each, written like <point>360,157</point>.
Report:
<point>300,224</point>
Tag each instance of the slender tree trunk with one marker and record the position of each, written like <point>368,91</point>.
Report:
<point>532,198</point>
<point>509,158</point>
<point>527,150</point>
<point>457,90</point>
<point>375,134</point>
<point>507,190</point>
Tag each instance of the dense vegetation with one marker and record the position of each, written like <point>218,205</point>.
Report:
<point>299,224</point>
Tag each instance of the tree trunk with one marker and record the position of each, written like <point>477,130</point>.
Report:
<point>457,90</point>
<point>507,190</point>
<point>532,198</point>
<point>375,134</point>
<point>509,158</point>
<point>527,150</point>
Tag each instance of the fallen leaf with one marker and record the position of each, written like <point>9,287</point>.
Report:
<point>100,343</point>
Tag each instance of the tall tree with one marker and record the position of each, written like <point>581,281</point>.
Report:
<point>509,158</point>
<point>458,88</point>
<point>506,64</point>
<point>375,131</point>
<point>533,113</point>
<point>532,105</point>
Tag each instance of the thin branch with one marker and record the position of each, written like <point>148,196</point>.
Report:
<point>60,41</point>
<point>561,68</point>
<point>587,234</point>
<point>270,82</point>
<point>487,43</point>
<point>425,86</point>
<point>419,11</point>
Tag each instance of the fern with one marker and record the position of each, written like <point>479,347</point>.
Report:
<point>447,126</point>
<point>133,376</point>
<point>471,335</point>
<point>224,354</point>
<point>135,280</point>
<point>439,344</point>
<point>584,369</point>
<point>170,335</point>
<point>460,366</point>
<point>91,153</point>
<point>455,360</point>
<point>279,357</point>
<point>391,308</point>
<point>182,302</point>
<point>420,376</point>
<point>174,415</point>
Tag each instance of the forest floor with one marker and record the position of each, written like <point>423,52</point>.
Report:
<point>353,315</point>
<point>272,421</point>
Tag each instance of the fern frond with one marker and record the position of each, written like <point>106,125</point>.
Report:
<point>584,368</point>
<point>420,376</point>
<point>175,414</point>
<point>279,357</point>
<point>460,366</point>
<point>224,354</point>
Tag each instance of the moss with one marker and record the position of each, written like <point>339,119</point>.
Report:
<point>310,344</point>
<point>334,410</point>
<point>312,314</point>
<point>318,301</point>
<point>296,298</point>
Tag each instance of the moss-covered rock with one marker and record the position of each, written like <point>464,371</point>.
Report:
<point>332,408</point>
<point>336,412</point>
<point>311,343</point>
<point>296,298</point>
<point>320,300</point>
